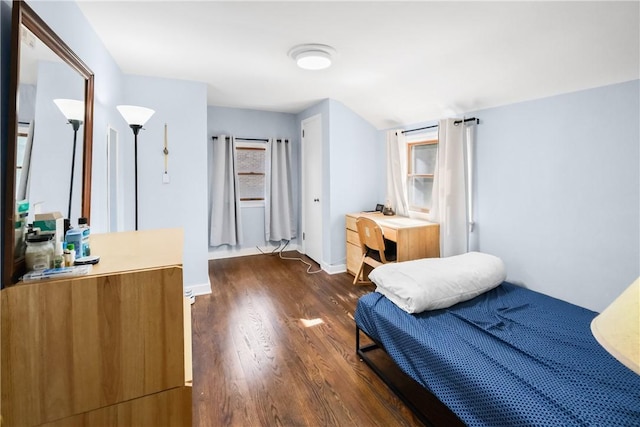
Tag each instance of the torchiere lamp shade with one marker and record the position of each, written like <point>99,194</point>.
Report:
<point>135,115</point>
<point>617,328</point>
<point>71,108</point>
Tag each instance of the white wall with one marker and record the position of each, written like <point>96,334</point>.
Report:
<point>558,192</point>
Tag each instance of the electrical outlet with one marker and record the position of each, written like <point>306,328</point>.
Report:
<point>165,178</point>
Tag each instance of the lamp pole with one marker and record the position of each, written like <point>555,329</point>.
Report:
<point>135,117</point>
<point>76,125</point>
<point>136,129</point>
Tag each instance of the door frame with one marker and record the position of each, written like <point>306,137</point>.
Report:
<point>115,180</point>
<point>303,175</point>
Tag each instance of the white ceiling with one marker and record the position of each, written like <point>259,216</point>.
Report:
<point>396,63</point>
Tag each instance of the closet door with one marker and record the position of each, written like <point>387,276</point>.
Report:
<point>312,188</point>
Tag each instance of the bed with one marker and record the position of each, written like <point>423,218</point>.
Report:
<point>507,357</point>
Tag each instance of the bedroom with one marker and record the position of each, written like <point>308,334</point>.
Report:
<point>560,229</point>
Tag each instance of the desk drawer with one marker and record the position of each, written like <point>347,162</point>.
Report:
<point>353,238</point>
<point>351,223</point>
<point>354,256</point>
<point>390,234</point>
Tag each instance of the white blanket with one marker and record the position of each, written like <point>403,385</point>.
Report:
<point>433,283</point>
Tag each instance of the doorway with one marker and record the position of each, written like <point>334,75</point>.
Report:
<point>115,206</point>
<point>312,188</point>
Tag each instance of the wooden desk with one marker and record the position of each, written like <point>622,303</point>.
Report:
<point>415,238</point>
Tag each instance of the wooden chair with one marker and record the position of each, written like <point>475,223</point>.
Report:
<point>375,251</point>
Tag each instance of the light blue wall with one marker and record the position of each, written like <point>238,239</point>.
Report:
<point>350,148</point>
<point>354,155</point>
<point>255,124</point>
<point>26,102</point>
<point>558,192</point>
<point>182,104</point>
<point>66,19</point>
<point>182,203</point>
<point>50,169</point>
<point>560,229</point>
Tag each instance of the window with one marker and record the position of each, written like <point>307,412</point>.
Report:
<point>421,166</point>
<point>251,172</point>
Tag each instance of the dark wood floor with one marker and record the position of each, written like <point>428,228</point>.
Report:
<point>274,346</point>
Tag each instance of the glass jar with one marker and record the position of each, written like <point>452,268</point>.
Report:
<point>39,252</point>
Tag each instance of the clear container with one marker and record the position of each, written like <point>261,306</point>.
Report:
<point>70,255</point>
<point>74,237</point>
<point>58,256</point>
<point>39,252</point>
<point>86,232</point>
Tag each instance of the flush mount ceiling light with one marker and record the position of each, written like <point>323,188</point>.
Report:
<point>312,56</point>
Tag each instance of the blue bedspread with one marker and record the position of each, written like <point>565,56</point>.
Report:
<point>509,357</point>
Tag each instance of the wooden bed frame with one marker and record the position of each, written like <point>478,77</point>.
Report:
<point>424,404</point>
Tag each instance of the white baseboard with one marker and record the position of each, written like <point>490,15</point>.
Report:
<point>334,269</point>
<point>232,253</point>
<point>200,289</point>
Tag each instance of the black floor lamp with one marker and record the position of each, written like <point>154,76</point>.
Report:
<point>73,110</point>
<point>136,117</point>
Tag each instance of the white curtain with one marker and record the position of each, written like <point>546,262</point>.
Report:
<point>397,172</point>
<point>280,223</point>
<point>449,201</point>
<point>472,243</point>
<point>225,221</point>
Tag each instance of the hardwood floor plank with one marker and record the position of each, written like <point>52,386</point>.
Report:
<point>275,346</point>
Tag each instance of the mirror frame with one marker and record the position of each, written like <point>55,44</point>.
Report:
<point>22,14</point>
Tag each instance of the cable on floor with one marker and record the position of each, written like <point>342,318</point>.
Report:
<point>273,252</point>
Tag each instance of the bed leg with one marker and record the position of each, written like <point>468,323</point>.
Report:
<point>368,347</point>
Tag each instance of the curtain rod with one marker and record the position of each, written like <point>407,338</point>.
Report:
<point>251,139</point>
<point>457,122</point>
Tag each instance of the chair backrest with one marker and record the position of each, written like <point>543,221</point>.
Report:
<point>371,237</point>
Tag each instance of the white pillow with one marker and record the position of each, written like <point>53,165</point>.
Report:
<point>433,283</point>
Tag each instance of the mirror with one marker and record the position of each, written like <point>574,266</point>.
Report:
<point>50,129</point>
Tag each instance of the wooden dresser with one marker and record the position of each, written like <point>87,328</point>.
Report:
<point>415,238</point>
<point>112,348</point>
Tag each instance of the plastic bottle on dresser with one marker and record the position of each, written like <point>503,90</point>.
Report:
<point>86,234</point>
<point>74,237</point>
<point>69,255</point>
<point>58,255</point>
